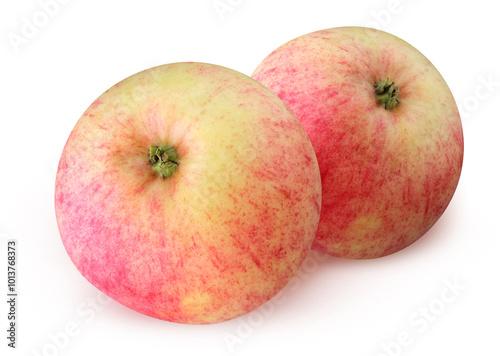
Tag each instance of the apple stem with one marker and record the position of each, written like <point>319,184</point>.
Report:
<point>387,94</point>
<point>164,160</point>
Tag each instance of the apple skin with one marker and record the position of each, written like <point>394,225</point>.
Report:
<point>220,236</point>
<point>387,175</point>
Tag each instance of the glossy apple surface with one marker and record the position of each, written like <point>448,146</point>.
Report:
<point>188,192</point>
<point>386,131</point>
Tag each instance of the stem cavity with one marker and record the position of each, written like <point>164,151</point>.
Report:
<point>387,94</point>
<point>164,160</point>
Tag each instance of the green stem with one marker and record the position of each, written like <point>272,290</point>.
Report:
<point>387,94</point>
<point>164,160</point>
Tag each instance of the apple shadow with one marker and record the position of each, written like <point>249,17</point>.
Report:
<point>319,269</point>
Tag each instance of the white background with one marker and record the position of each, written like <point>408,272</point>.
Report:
<point>335,306</point>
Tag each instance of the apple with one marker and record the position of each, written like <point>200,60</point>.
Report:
<point>188,192</point>
<point>386,132</point>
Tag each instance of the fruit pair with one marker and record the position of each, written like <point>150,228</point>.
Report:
<point>192,193</point>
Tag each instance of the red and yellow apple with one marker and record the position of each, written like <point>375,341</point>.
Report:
<point>188,192</point>
<point>386,132</point>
